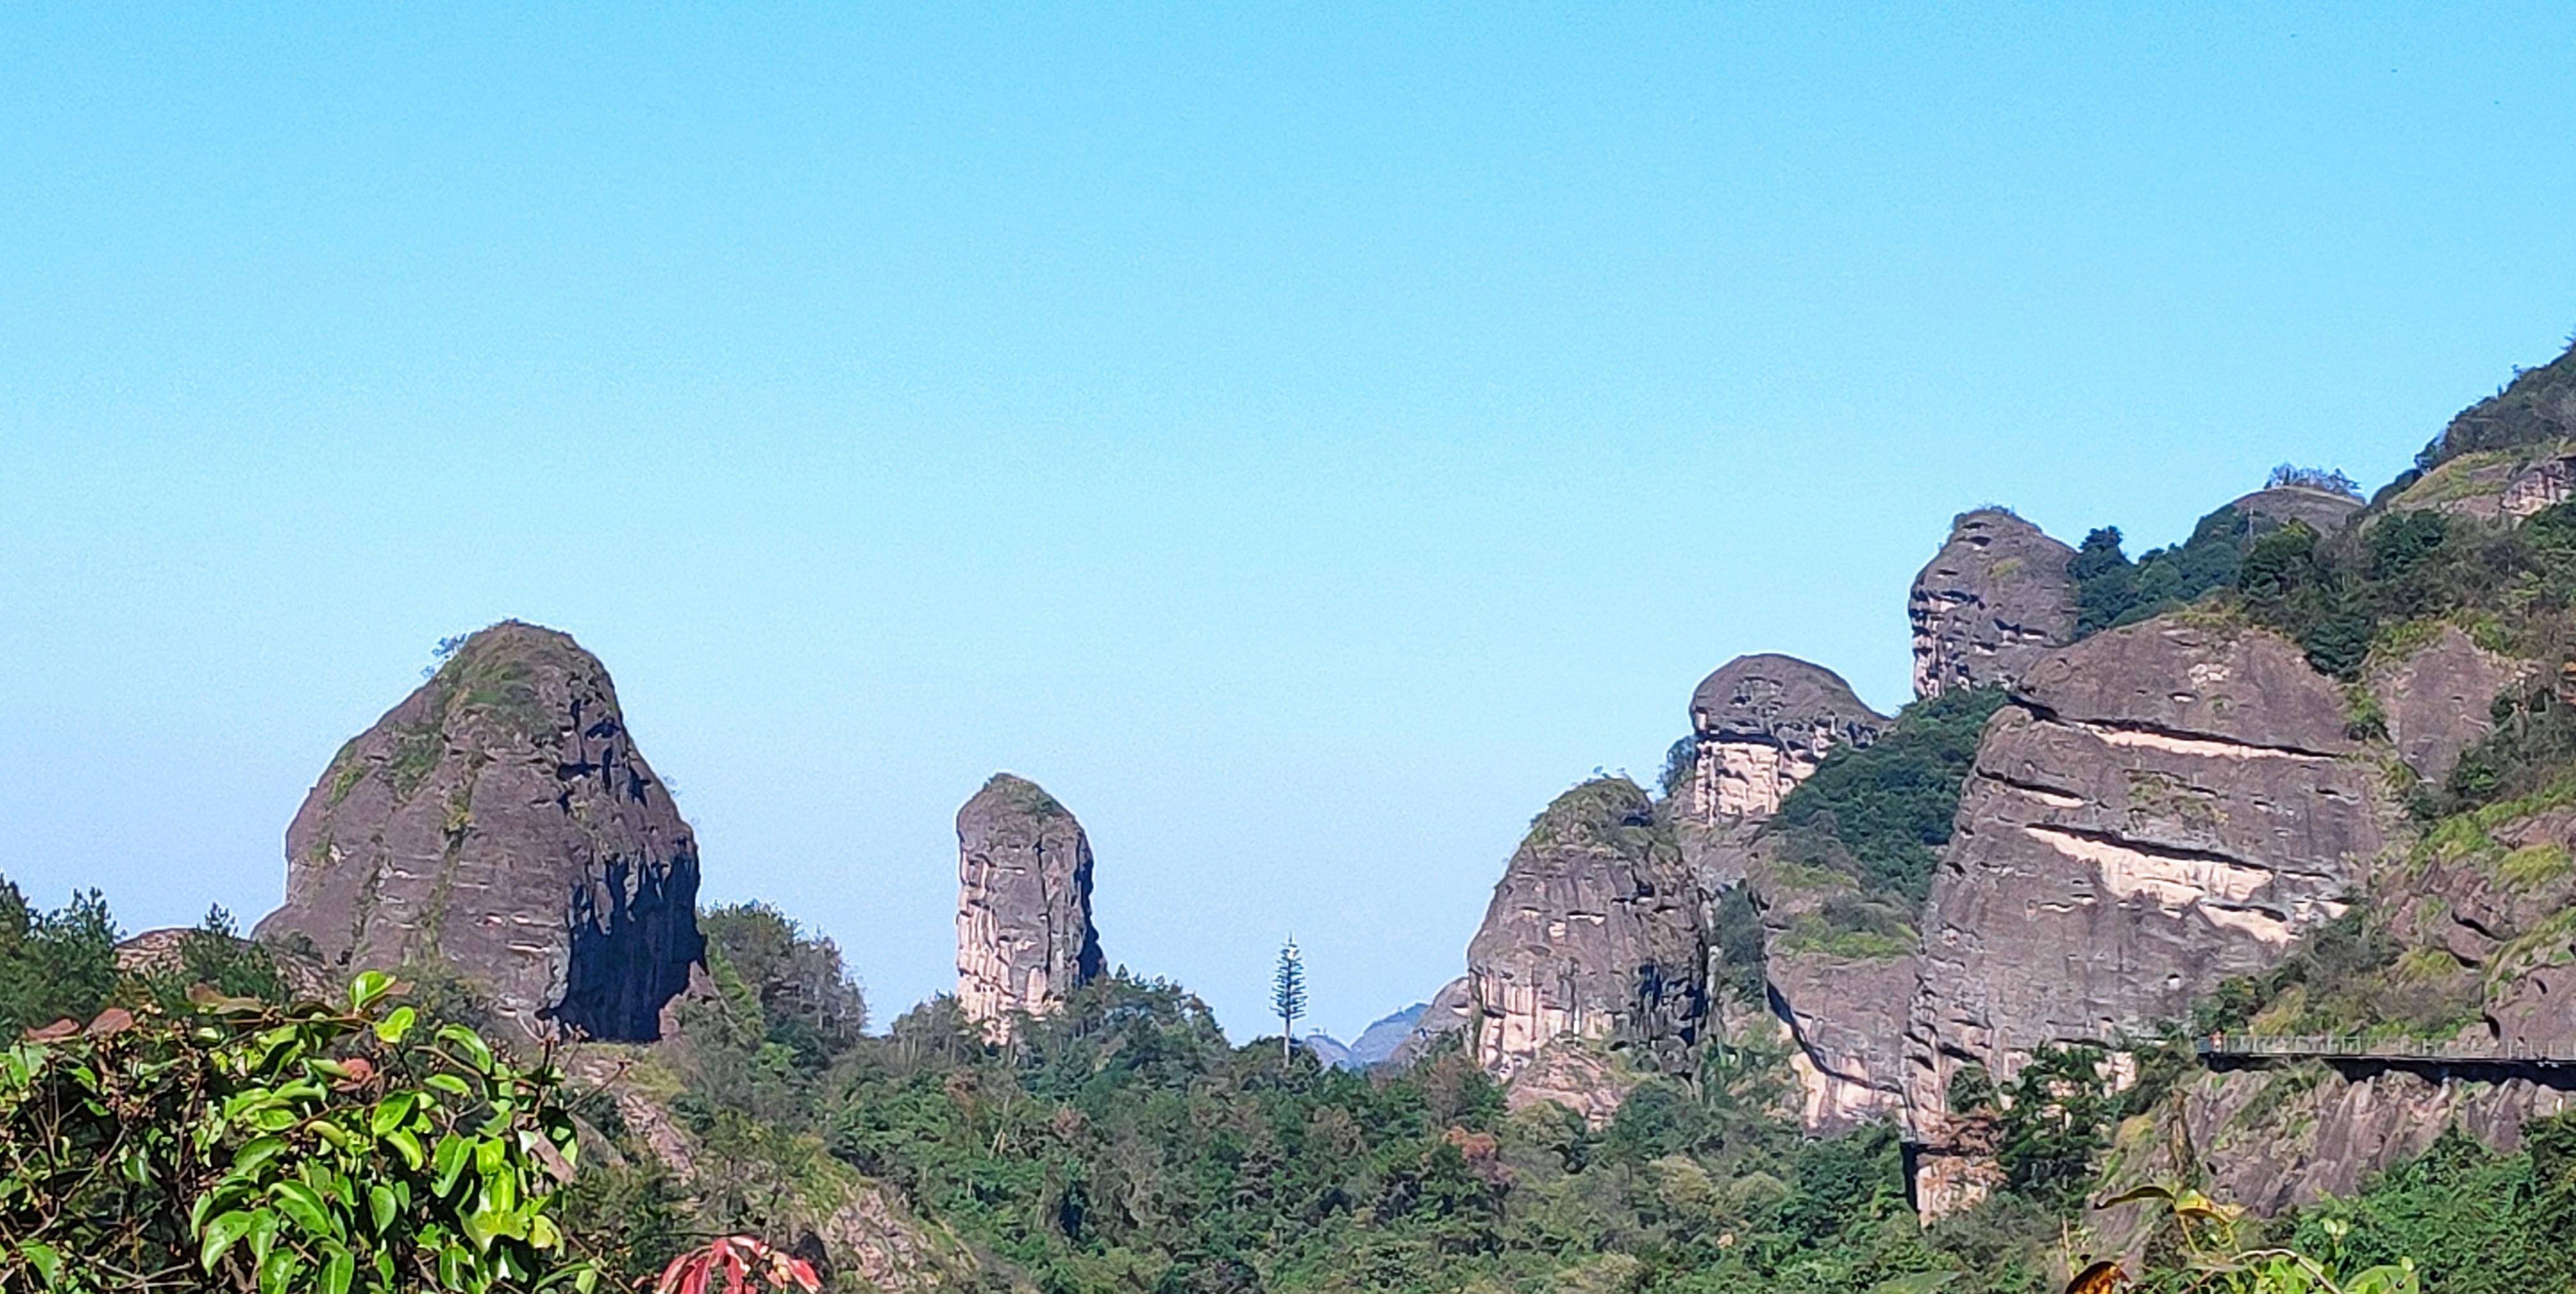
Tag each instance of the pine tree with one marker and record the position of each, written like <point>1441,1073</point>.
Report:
<point>1288,994</point>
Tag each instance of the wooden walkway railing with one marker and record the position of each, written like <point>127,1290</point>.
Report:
<point>2406,1050</point>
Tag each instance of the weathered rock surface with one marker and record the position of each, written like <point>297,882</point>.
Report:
<point>854,1224</point>
<point>2437,699</point>
<point>1593,934</point>
<point>2323,511</point>
<point>1762,724</point>
<point>1451,1009</point>
<point>1024,933</point>
<point>501,821</point>
<point>1573,1075</point>
<point>2161,807</point>
<point>2497,484</point>
<point>1995,598</point>
<point>165,952</point>
<point>1844,1001</point>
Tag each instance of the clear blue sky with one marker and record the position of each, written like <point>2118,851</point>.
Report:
<point>1303,440</point>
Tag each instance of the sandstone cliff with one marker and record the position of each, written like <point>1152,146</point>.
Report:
<point>501,821</point>
<point>2160,807</point>
<point>1593,934</point>
<point>1994,599</point>
<point>1024,933</point>
<point>1840,989</point>
<point>1760,724</point>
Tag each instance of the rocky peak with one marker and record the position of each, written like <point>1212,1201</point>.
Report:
<point>1024,933</point>
<point>1593,933</point>
<point>2537,407</point>
<point>501,821</point>
<point>1762,723</point>
<point>2323,511</point>
<point>1450,1010</point>
<point>1995,598</point>
<point>2160,807</point>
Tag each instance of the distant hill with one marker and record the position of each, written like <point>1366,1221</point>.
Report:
<point>1373,1046</point>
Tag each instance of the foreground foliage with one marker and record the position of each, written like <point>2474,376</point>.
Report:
<point>243,1146</point>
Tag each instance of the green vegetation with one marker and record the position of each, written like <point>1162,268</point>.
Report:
<point>2338,597</point>
<point>2473,1221</point>
<point>242,1146</point>
<point>2348,977</point>
<point>1879,813</point>
<point>55,964</point>
<point>2111,591</point>
<point>2529,410</point>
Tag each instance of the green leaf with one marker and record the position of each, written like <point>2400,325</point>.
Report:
<point>263,1234</point>
<point>47,1261</point>
<point>391,1112</point>
<point>380,1206</point>
<point>304,1208</point>
<point>277,1271</point>
<point>453,1154</point>
<point>226,1230</point>
<point>339,1271</point>
<point>408,1145</point>
<point>256,1155</point>
<point>467,1041</point>
<point>448,1083</point>
<point>369,986</point>
<point>384,1269</point>
<point>399,1022</point>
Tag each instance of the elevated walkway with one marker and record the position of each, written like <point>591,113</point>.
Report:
<point>2255,1047</point>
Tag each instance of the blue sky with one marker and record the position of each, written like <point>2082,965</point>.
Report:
<point>1304,439</point>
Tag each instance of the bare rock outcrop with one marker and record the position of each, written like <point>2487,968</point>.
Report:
<point>2437,699</point>
<point>1843,995</point>
<point>501,821</point>
<point>174,951</point>
<point>2323,511</point>
<point>1573,1075</point>
<point>1760,725</point>
<point>1451,1009</point>
<point>1024,932</point>
<point>1593,934</point>
<point>2161,807</point>
<point>1995,598</point>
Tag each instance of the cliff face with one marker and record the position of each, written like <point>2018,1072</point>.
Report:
<point>1994,599</point>
<point>1759,725</point>
<point>2161,807</point>
<point>1843,998</point>
<point>1762,724</point>
<point>500,820</point>
<point>1593,934</point>
<point>1024,933</point>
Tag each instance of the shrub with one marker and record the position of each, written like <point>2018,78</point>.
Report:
<point>250,1147</point>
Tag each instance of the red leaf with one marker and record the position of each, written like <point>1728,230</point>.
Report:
<point>111,1022</point>
<point>55,1032</point>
